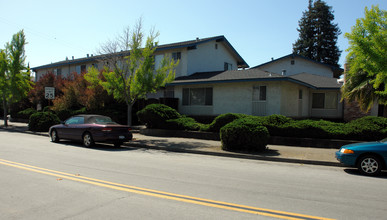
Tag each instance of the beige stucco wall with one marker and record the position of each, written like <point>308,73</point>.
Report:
<point>207,58</point>
<point>282,98</point>
<point>232,97</point>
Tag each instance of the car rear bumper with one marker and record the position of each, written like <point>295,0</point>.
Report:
<point>112,137</point>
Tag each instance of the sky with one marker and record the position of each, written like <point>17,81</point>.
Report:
<point>258,30</point>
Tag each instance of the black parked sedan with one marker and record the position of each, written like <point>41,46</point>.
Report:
<point>90,129</point>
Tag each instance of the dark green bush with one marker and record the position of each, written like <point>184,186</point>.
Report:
<point>244,134</point>
<point>64,114</point>
<point>48,109</point>
<point>42,121</point>
<point>367,128</point>
<point>183,123</point>
<point>276,120</point>
<point>308,129</point>
<point>222,120</point>
<point>26,113</point>
<point>156,115</point>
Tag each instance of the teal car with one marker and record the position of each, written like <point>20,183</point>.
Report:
<point>369,157</point>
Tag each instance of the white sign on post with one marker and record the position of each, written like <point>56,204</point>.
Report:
<point>49,92</point>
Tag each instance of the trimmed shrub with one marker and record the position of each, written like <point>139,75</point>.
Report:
<point>222,120</point>
<point>64,114</point>
<point>244,134</point>
<point>183,123</point>
<point>42,121</point>
<point>276,120</point>
<point>156,115</point>
<point>26,113</point>
<point>367,128</point>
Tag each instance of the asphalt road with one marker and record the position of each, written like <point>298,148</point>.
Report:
<point>44,180</point>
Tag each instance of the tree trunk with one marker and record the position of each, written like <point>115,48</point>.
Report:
<point>129,114</point>
<point>5,112</point>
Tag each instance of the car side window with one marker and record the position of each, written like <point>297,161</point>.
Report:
<point>75,120</point>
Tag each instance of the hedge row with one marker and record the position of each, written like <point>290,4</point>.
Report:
<point>364,129</point>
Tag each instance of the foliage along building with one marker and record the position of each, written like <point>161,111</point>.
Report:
<point>212,79</point>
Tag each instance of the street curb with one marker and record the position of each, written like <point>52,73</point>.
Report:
<point>208,153</point>
<point>237,155</point>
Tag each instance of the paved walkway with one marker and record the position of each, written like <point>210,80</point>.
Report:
<point>291,154</point>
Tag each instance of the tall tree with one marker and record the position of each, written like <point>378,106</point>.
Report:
<point>366,79</point>
<point>318,34</point>
<point>15,80</point>
<point>134,76</point>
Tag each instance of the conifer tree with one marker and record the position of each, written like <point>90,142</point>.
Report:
<point>318,34</point>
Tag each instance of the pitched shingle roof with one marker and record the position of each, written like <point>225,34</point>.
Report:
<point>184,44</point>
<point>316,81</point>
<point>308,80</point>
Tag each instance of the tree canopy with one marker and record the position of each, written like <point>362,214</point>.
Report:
<point>366,79</point>
<point>15,81</point>
<point>318,34</point>
<point>135,75</point>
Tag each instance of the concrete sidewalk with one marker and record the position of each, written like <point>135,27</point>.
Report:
<point>291,154</point>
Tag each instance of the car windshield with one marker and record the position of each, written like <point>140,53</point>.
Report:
<point>100,120</point>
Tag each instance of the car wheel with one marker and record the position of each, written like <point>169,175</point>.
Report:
<point>88,140</point>
<point>369,165</point>
<point>54,136</point>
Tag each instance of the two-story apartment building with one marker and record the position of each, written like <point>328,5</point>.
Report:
<point>212,79</point>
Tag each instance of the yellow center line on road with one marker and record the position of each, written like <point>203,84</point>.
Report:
<point>161,194</point>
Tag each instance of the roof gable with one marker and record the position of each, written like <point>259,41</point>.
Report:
<point>337,71</point>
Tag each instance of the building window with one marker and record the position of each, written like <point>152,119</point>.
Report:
<point>83,68</point>
<point>259,93</point>
<point>331,100</point>
<point>176,56</point>
<point>197,96</point>
<point>300,94</point>
<point>292,62</point>
<point>227,66</point>
<point>58,71</point>
<point>324,100</point>
<point>216,46</point>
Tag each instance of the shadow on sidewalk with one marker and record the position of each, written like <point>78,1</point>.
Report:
<point>97,146</point>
